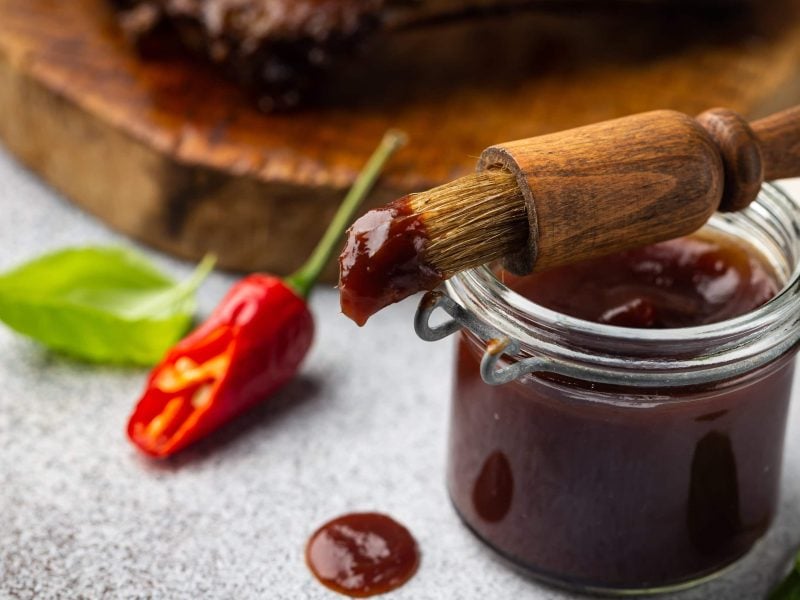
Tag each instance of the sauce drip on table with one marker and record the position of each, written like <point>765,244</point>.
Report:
<point>684,282</point>
<point>362,554</point>
<point>382,261</point>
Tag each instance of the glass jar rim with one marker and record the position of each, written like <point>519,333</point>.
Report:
<point>688,355</point>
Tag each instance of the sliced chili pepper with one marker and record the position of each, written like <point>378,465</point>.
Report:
<point>251,344</point>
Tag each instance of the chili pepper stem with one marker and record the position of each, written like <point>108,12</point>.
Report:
<point>302,281</point>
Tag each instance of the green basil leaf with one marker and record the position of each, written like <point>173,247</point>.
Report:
<point>105,305</point>
<point>789,589</point>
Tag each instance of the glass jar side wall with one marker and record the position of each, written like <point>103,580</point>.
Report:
<point>617,497</point>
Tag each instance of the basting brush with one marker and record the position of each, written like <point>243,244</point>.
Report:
<point>559,198</point>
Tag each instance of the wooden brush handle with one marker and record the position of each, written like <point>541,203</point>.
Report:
<point>753,153</point>
<point>640,179</point>
<point>779,137</point>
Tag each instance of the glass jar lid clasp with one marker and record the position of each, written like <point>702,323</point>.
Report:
<point>497,344</point>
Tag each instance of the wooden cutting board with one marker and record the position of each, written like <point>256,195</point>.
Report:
<point>170,153</point>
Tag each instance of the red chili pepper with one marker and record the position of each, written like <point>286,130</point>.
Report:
<point>251,345</point>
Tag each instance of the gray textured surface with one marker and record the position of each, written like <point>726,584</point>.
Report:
<point>83,515</point>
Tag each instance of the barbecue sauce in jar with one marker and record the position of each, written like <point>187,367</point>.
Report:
<point>611,487</point>
<point>684,282</point>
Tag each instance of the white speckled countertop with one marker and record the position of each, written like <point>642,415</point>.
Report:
<point>82,515</point>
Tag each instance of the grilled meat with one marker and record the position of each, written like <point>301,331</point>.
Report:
<point>280,48</point>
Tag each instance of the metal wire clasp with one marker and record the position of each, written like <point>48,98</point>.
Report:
<point>497,344</point>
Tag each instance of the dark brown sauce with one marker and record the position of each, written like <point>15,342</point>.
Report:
<point>689,281</point>
<point>362,554</point>
<point>494,488</point>
<point>565,482</point>
<point>382,261</point>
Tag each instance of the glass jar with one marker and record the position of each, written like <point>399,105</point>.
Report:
<point>622,460</point>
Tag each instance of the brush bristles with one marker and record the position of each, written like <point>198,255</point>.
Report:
<point>472,221</point>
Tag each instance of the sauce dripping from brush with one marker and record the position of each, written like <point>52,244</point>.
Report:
<point>382,261</point>
<point>362,554</point>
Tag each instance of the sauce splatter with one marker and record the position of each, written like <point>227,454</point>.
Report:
<point>362,554</point>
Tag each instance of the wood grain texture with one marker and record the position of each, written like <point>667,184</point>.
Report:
<point>741,155</point>
<point>779,138</point>
<point>172,154</point>
<point>611,186</point>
